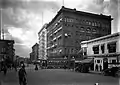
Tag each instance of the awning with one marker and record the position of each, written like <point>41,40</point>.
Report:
<point>89,60</point>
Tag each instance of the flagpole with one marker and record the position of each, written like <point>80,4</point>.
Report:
<point>63,2</point>
<point>42,18</point>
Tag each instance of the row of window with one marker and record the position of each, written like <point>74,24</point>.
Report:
<point>54,45</point>
<point>66,50</point>
<point>110,46</point>
<point>55,25</point>
<point>110,61</point>
<point>85,22</point>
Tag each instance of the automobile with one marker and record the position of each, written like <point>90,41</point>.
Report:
<point>50,67</point>
<point>110,71</point>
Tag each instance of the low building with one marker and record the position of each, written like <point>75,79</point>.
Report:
<point>105,51</point>
<point>7,51</point>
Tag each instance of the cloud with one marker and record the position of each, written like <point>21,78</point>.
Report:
<point>22,50</point>
<point>11,3</point>
<point>111,7</point>
<point>23,36</point>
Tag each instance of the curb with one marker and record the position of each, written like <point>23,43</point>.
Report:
<point>93,72</point>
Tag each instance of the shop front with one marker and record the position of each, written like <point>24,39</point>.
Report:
<point>103,62</point>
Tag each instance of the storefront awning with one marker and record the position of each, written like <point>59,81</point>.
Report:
<point>89,60</point>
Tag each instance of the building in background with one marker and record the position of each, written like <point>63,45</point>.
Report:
<point>69,27</point>
<point>42,34</point>
<point>34,53</point>
<point>31,57</point>
<point>105,50</point>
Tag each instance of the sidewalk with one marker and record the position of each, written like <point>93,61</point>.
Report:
<point>95,72</point>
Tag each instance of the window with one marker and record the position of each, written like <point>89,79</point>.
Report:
<point>93,24</point>
<point>88,30</point>
<point>98,61</point>
<point>103,48</point>
<point>94,30</point>
<point>111,47</point>
<point>89,22</point>
<point>113,61</point>
<point>96,49</point>
<point>68,19</point>
<point>72,50</point>
<point>82,29</point>
<point>85,53</point>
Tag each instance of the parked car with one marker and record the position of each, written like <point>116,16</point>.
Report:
<point>50,67</point>
<point>111,71</point>
<point>84,68</point>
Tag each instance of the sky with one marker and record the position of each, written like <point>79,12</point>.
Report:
<point>22,19</point>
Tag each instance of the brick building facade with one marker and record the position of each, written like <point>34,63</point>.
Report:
<point>34,53</point>
<point>69,27</point>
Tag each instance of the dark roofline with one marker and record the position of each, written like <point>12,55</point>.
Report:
<point>36,44</point>
<point>101,38</point>
<point>58,13</point>
<point>79,12</point>
<point>8,40</point>
<point>86,13</point>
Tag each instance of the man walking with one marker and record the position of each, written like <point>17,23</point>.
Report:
<point>22,76</point>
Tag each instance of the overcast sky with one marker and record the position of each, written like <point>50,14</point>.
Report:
<point>22,19</point>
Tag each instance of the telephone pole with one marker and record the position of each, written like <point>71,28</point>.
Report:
<point>0,23</point>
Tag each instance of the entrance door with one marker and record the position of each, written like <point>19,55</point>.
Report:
<point>105,63</point>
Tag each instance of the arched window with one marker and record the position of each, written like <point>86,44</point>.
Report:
<point>88,30</point>
<point>82,29</point>
<point>94,30</point>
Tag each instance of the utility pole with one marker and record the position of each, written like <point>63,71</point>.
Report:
<point>1,28</point>
<point>0,23</point>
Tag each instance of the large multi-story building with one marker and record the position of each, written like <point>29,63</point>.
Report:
<point>7,51</point>
<point>104,50</point>
<point>69,27</point>
<point>34,53</point>
<point>42,34</point>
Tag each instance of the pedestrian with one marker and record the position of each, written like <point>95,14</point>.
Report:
<point>5,69</point>
<point>22,76</point>
<point>36,67</point>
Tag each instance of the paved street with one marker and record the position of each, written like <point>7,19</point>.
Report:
<point>58,77</point>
